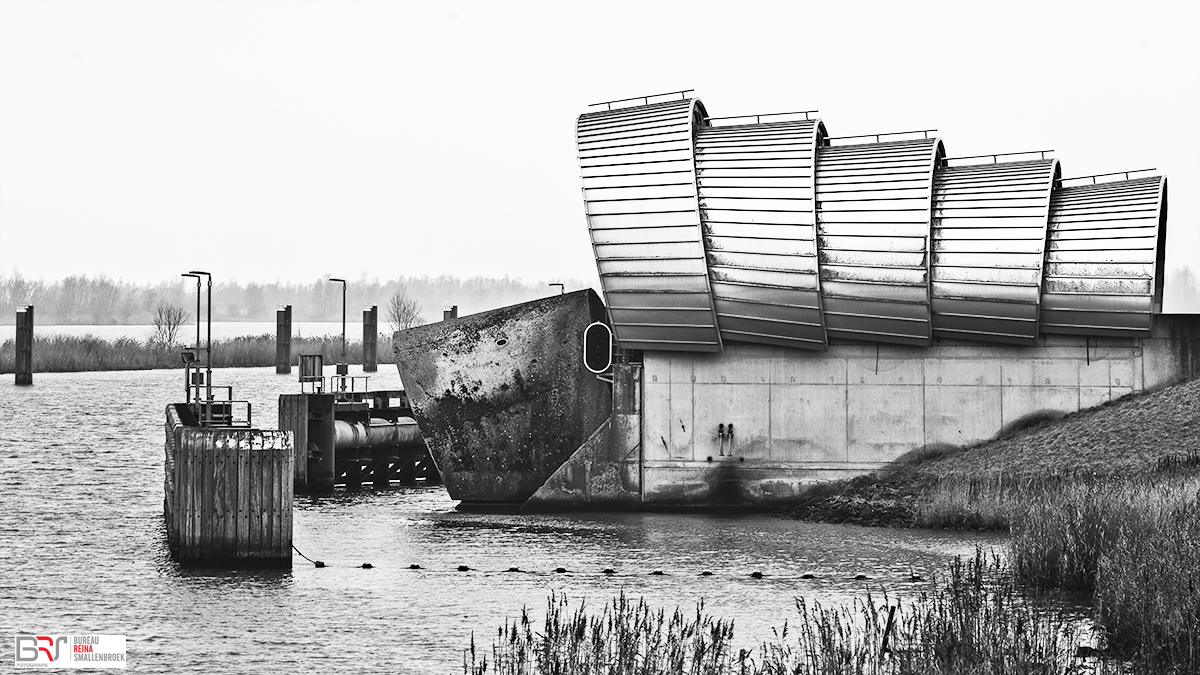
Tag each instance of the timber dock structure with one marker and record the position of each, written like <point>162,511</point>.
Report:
<point>228,486</point>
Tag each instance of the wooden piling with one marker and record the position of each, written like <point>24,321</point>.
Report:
<point>228,494</point>
<point>370,362</point>
<point>24,363</point>
<point>283,340</point>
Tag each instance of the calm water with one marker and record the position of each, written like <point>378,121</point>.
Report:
<point>221,330</point>
<point>84,551</point>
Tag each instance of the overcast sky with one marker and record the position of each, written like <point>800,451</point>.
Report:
<point>287,140</point>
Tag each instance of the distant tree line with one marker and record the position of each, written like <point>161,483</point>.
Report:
<point>79,299</point>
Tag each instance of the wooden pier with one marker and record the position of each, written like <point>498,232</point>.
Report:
<point>228,493</point>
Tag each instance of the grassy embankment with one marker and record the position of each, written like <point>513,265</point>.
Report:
<point>1104,502</point>
<point>68,354</point>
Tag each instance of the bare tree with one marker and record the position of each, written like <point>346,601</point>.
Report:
<point>403,312</point>
<point>1182,291</point>
<point>255,300</point>
<point>168,322</point>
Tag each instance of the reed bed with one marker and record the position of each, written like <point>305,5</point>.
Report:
<point>62,354</point>
<point>1135,546</point>
<point>973,620</point>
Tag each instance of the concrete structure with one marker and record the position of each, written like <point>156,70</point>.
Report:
<point>791,307</point>
<point>347,437</point>
<point>799,417</point>
<point>502,397</point>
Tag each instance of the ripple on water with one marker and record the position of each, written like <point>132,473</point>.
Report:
<point>85,548</point>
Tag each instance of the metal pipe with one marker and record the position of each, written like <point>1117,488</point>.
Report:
<point>886,133</point>
<point>1101,175</point>
<point>377,433</point>
<point>994,155</point>
<point>759,115</point>
<point>649,96</point>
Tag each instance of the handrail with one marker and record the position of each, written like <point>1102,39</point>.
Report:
<point>645,99</point>
<point>998,154</point>
<point>1101,175</point>
<point>758,116</point>
<point>887,133</point>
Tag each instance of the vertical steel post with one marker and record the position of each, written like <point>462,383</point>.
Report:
<point>343,283</point>
<point>208,350</point>
<point>205,419</point>
<point>283,340</point>
<point>370,338</point>
<point>24,362</point>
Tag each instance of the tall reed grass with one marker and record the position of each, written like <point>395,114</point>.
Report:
<point>973,620</point>
<point>1135,545</point>
<point>60,353</point>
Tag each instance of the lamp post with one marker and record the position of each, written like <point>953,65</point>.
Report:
<point>208,341</point>
<point>343,282</point>
<point>197,278</point>
<point>188,385</point>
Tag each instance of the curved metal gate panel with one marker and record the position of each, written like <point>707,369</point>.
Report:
<point>756,187</point>
<point>873,208</point>
<point>989,238</point>
<point>1102,266</point>
<point>639,191</point>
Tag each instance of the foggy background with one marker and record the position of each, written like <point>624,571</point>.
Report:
<point>431,144</point>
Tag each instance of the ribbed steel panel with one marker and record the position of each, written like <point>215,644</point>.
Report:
<point>989,239</point>
<point>873,215</point>
<point>639,190</point>
<point>1104,263</point>
<point>756,184</point>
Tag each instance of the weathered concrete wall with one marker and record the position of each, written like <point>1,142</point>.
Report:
<point>804,416</point>
<point>502,397</point>
<point>605,472</point>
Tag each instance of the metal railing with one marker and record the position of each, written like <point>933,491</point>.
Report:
<point>337,383</point>
<point>1102,175</point>
<point>926,133</point>
<point>1041,153</point>
<point>644,99</point>
<point>758,117</point>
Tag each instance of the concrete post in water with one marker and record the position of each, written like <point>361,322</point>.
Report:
<point>283,340</point>
<point>370,363</point>
<point>451,313</point>
<point>24,364</point>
